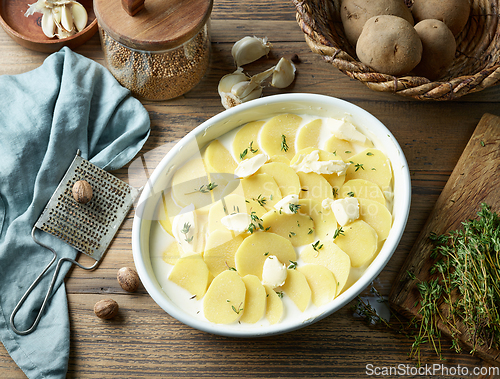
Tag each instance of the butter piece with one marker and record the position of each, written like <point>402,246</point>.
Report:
<point>237,222</point>
<point>185,230</point>
<point>311,163</point>
<point>250,166</point>
<point>346,210</point>
<point>283,206</point>
<point>274,272</point>
<point>343,129</point>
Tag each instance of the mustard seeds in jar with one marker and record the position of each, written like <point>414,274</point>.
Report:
<point>162,51</point>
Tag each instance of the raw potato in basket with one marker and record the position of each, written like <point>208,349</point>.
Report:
<point>390,45</point>
<point>355,13</point>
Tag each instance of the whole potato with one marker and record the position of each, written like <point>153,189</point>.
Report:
<point>454,13</point>
<point>354,14</point>
<point>438,48</point>
<point>389,45</point>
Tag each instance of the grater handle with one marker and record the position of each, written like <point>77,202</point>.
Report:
<point>35,283</point>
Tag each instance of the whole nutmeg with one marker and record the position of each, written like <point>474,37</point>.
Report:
<point>106,309</point>
<point>128,279</point>
<point>82,191</point>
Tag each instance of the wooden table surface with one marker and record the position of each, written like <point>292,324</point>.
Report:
<point>144,341</point>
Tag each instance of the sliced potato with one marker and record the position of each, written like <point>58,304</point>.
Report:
<point>321,281</point>
<point>314,186</point>
<point>171,253</point>
<point>254,250</point>
<point>188,184</point>
<point>167,210</point>
<point>278,135</point>
<point>297,288</point>
<point>218,159</point>
<point>297,228</point>
<point>225,298</point>
<point>248,134</point>
<point>219,251</point>
<point>279,159</point>
<point>377,216</point>
<point>340,148</point>
<point>361,188</point>
<point>308,135</point>
<point>191,273</point>
<point>285,177</point>
<point>324,220</point>
<point>372,165</point>
<point>255,300</point>
<point>360,241</point>
<point>274,306</point>
<point>261,187</point>
<point>331,257</point>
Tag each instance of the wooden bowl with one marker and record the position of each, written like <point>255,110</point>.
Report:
<point>476,65</point>
<point>27,31</point>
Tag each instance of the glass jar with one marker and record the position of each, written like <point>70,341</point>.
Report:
<point>156,57</point>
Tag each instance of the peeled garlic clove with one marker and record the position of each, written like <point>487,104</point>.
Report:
<point>66,18</point>
<point>56,14</point>
<point>63,33</point>
<point>284,74</point>
<point>48,26</point>
<point>249,49</point>
<point>80,17</point>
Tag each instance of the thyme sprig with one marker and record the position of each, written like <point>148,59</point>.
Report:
<point>205,188</point>
<point>284,146</point>
<point>249,148</point>
<point>185,231</point>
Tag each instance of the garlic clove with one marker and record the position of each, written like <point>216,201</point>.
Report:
<point>228,81</point>
<point>63,33</point>
<point>255,94</point>
<point>48,26</point>
<point>56,14</point>
<point>237,88</point>
<point>66,18</point>
<point>249,49</point>
<point>80,17</point>
<point>284,74</point>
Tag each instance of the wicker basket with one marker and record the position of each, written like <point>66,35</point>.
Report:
<point>476,65</point>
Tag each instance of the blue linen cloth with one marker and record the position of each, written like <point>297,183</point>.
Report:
<point>68,103</point>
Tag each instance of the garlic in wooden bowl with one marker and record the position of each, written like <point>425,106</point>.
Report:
<point>60,18</point>
<point>305,241</point>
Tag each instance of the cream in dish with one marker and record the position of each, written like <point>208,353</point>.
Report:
<point>294,196</point>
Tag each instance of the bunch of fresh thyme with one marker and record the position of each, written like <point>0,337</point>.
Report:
<point>467,279</point>
<point>469,271</point>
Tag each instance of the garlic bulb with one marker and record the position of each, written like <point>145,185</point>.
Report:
<point>237,88</point>
<point>249,49</point>
<point>60,18</point>
<point>284,74</point>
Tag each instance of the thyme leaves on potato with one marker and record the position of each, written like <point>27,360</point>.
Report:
<point>284,146</point>
<point>205,188</point>
<point>249,148</point>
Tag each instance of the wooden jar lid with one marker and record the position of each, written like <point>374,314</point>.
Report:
<point>156,25</point>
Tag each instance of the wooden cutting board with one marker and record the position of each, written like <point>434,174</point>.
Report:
<point>475,179</point>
